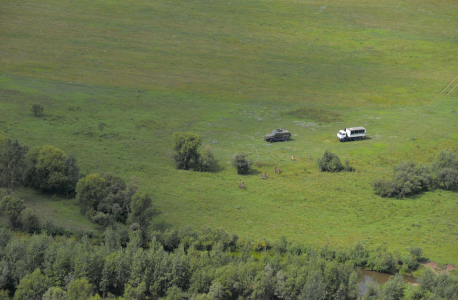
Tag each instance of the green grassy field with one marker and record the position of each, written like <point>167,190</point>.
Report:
<point>231,72</point>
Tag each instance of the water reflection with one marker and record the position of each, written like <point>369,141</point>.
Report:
<point>380,278</point>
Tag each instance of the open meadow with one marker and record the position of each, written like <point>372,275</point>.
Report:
<point>231,71</point>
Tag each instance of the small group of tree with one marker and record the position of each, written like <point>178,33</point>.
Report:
<point>43,167</point>
<point>51,169</point>
<point>18,215</point>
<point>197,265</point>
<point>330,162</point>
<point>410,177</point>
<point>188,153</point>
<point>109,199</point>
<point>242,163</point>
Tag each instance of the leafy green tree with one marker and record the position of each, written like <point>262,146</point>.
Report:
<point>314,289</point>
<point>90,190</point>
<point>12,164</point>
<point>29,221</point>
<point>329,162</point>
<point>12,207</point>
<point>55,293</point>
<point>141,210</point>
<point>410,178</point>
<point>32,286</point>
<point>186,147</point>
<point>72,172</point>
<point>445,159</point>
<point>448,178</point>
<point>48,168</point>
<point>37,110</point>
<point>241,162</point>
<point>175,293</point>
<point>393,289</point>
<point>79,289</point>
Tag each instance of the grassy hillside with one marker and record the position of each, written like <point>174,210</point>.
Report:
<point>231,71</point>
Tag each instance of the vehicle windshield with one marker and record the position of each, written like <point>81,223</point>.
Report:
<point>273,131</point>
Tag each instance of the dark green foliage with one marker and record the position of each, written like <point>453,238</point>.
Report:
<point>90,191</point>
<point>55,293</point>
<point>206,159</point>
<point>241,162</point>
<point>29,221</point>
<point>32,286</point>
<point>408,178</point>
<point>416,253</point>
<point>347,166</point>
<point>144,270</point>
<point>12,164</point>
<point>79,289</point>
<point>186,147</point>
<point>141,211</point>
<point>445,159</point>
<point>12,207</point>
<point>393,289</point>
<point>72,172</point>
<point>447,178</point>
<point>37,110</point>
<point>329,162</point>
<point>49,168</point>
<point>382,186</point>
<point>101,219</point>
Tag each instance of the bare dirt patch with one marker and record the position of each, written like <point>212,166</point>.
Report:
<point>438,268</point>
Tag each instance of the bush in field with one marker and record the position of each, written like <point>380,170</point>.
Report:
<point>382,186</point>
<point>241,162</point>
<point>206,159</point>
<point>329,162</point>
<point>37,110</point>
<point>186,147</point>
<point>90,190</point>
<point>408,178</point>
<point>12,207</point>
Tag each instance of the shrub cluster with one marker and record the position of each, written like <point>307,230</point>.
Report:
<point>242,163</point>
<point>410,178</point>
<point>330,162</point>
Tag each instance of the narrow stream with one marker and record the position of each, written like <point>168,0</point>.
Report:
<point>380,278</point>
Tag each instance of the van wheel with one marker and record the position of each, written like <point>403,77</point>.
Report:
<point>271,140</point>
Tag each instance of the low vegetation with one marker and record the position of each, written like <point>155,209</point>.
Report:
<point>242,163</point>
<point>410,178</point>
<point>330,162</point>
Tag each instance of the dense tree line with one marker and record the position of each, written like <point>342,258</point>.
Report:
<point>188,264</point>
<point>410,177</point>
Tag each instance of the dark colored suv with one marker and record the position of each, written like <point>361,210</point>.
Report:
<point>279,135</point>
